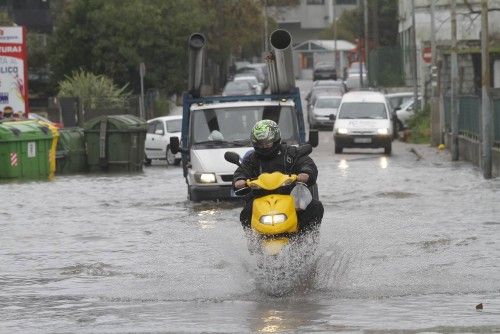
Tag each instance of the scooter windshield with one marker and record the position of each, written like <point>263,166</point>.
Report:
<point>301,196</point>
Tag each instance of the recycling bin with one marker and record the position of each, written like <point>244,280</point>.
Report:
<point>115,143</point>
<point>25,148</point>
<point>70,153</point>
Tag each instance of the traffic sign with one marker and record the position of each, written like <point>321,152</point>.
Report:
<point>427,54</point>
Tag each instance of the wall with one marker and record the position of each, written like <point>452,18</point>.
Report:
<point>469,150</point>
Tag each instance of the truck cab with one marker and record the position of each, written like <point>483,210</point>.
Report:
<point>213,125</point>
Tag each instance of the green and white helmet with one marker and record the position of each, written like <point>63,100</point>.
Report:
<point>265,133</point>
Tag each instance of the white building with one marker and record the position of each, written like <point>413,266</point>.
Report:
<point>468,37</point>
<point>306,20</point>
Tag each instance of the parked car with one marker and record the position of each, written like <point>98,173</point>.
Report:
<point>321,112</point>
<point>363,120</point>
<point>262,68</point>
<point>405,112</point>
<point>157,145</point>
<point>258,86</point>
<point>323,71</point>
<point>238,88</point>
<point>251,71</point>
<point>396,100</point>
<point>352,81</point>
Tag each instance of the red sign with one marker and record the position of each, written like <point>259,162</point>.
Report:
<point>13,69</point>
<point>427,54</point>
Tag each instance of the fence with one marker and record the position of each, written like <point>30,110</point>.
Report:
<point>469,120</point>
<point>385,66</point>
<point>156,103</point>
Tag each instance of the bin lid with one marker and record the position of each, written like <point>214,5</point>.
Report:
<point>71,139</point>
<point>120,123</point>
<point>24,131</point>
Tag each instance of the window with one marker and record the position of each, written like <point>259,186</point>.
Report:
<point>159,126</point>
<point>235,124</point>
<point>174,126</point>
<point>315,2</point>
<point>151,127</point>
<point>366,110</point>
<point>346,2</point>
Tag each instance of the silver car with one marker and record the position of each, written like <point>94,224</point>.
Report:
<point>319,114</point>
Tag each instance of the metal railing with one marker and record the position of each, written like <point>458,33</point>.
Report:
<point>470,117</point>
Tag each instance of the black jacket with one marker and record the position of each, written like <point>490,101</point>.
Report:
<point>289,160</point>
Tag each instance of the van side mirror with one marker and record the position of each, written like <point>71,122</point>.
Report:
<point>174,144</point>
<point>332,117</point>
<point>313,138</point>
<point>232,157</point>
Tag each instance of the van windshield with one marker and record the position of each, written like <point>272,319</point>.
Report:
<point>366,110</point>
<point>232,126</point>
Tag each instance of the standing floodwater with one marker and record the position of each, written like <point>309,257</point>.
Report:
<point>406,244</point>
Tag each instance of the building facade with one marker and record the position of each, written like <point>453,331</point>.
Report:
<point>468,19</point>
<point>308,19</point>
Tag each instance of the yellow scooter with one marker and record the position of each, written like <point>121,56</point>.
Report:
<point>274,217</point>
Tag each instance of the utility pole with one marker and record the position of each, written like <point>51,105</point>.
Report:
<point>360,57</point>
<point>414,56</point>
<point>142,72</point>
<point>337,68</point>
<point>486,110</point>
<point>266,37</point>
<point>453,84</point>
<point>366,41</point>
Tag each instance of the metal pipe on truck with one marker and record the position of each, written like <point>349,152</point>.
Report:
<point>196,45</point>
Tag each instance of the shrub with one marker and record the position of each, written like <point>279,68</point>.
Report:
<point>420,125</point>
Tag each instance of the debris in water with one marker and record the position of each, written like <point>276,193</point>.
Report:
<point>419,156</point>
<point>479,306</point>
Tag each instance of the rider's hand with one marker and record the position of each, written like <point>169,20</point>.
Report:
<point>240,184</point>
<point>302,177</point>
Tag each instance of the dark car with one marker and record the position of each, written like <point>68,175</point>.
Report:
<point>324,71</point>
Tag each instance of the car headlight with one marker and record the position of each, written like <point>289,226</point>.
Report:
<point>205,178</point>
<point>272,219</point>
<point>342,131</point>
<point>383,131</point>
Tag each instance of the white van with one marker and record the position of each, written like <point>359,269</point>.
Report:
<point>364,120</point>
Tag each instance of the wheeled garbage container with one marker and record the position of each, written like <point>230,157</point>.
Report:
<point>25,150</point>
<point>71,155</point>
<point>115,143</point>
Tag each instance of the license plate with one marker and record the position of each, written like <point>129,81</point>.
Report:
<point>362,140</point>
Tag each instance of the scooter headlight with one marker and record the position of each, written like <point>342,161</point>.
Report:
<point>273,219</point>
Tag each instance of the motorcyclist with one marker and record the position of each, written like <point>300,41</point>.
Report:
<point>270,155</point>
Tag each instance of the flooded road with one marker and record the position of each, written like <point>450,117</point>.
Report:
<point>407,244</point>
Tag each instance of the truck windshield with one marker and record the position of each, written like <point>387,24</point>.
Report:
<point>357,110</point>
<point>232,126</point>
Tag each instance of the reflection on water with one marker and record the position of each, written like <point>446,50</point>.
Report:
<point>384,162</point>
<point>413,252</point>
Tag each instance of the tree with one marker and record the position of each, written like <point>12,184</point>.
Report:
<point>94,91</point>
<point>113,37</point>
<point>350,24</point>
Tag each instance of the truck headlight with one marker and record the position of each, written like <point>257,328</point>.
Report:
<point>272,219</point>
<point>383,131</point>
<point>342,131</point>
<point>205,178</point>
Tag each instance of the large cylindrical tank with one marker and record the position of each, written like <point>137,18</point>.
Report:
<point>280,63</point>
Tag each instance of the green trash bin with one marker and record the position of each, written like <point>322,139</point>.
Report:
<point>70,155</point>
<point>24,150</point>
<point>115,143</point>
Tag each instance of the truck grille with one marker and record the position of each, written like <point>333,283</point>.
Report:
<point>227,177</point>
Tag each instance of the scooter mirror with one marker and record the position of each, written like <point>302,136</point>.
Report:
<point>232,157</point>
